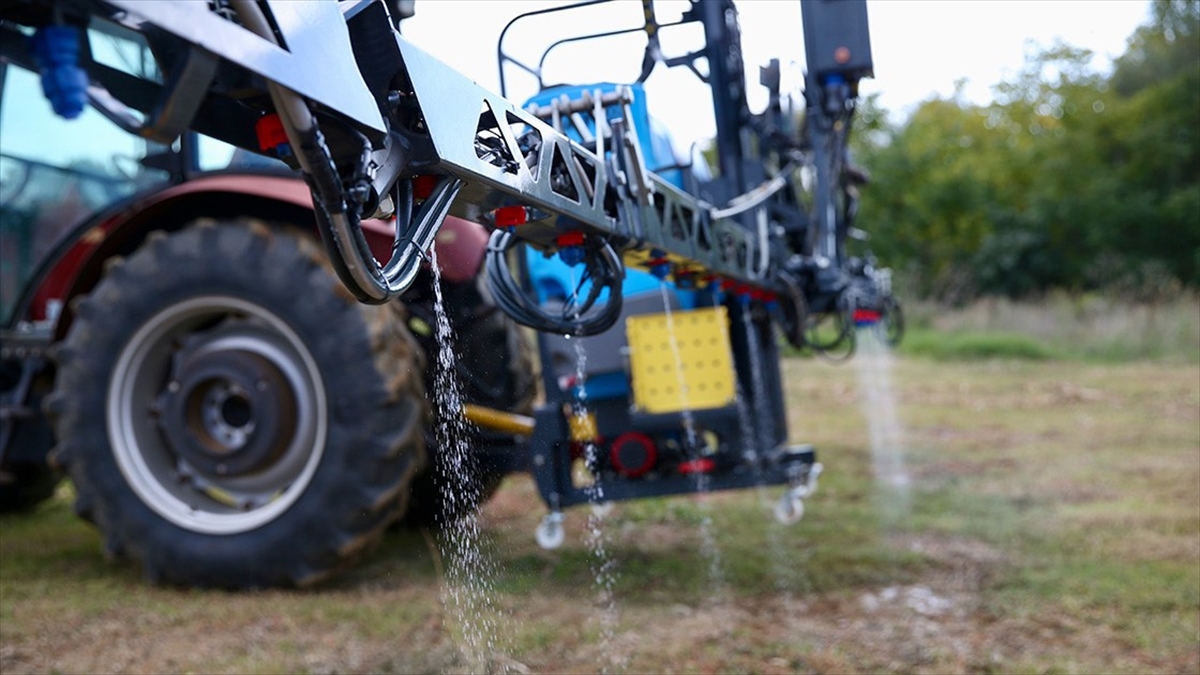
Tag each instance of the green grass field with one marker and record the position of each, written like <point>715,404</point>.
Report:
<point>1050,523</point>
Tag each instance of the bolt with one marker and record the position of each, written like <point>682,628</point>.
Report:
<point>539,460</point>
<point>174,387</point>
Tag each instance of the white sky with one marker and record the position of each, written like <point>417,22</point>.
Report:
<point>920,47</point>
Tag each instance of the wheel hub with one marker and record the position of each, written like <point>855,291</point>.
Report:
<point>227,411</point>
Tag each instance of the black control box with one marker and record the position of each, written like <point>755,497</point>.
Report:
<point>836,38</point>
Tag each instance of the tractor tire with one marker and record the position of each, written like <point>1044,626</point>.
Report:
<point>230,416</point>
<point>429,506</point>
<point>493,368</point>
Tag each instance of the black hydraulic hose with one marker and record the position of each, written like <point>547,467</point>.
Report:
<point>334,220</point>
<point>325,185</point>
<point>843,315</point>
<point>602,264</point>
<point>337,217</point>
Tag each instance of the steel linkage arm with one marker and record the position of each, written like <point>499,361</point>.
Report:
<point>530,163</point>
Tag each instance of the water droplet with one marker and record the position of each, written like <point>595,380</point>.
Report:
<point>709,548</point>
<point>470,572</point>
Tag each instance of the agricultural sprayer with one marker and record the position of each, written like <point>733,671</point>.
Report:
<point>239,405</point>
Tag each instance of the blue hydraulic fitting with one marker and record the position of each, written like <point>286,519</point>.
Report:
<point>716,293</point>
<point>685,279</point>
<point>571,255</point>
<point>64,83</point>
<point>660,267</point>
<point>837,91</point>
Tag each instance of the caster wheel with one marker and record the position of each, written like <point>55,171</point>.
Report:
<point>549,532</point>
<point>789,509</point>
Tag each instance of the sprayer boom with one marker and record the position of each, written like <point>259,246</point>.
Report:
<point>363,112</point>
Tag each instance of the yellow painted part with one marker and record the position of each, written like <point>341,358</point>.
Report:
<point>498,420</point>
<point>695,354</point>
<point>583,427</point>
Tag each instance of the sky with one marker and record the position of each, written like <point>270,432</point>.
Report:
<point>921,48</point>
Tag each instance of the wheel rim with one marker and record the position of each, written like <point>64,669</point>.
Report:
<point>217,415</point>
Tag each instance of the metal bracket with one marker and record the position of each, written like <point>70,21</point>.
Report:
<point>564,178</point>
<point>182,96</point>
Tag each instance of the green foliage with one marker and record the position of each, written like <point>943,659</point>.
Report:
<point>1166,46</point>
<point>973,346</point>
<point>1068,180</point>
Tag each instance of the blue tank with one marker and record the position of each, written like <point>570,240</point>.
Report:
<point>554,280</point>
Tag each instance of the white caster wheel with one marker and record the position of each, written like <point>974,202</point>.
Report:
<point>789,509</point>
<point>602,509</point>
<point>549,532</point>
<point>813,474</point>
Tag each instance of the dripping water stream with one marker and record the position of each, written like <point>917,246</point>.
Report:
<point>709,548</point>
<point>602,564</point>
<point>784,572</point>
<point>873,364</point>
<point>470,573</point>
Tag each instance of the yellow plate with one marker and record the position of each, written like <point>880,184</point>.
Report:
<point>680,361</point>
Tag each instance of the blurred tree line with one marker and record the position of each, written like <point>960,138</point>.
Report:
<point>1068,180</point>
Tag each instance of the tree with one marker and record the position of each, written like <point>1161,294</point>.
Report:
<point>1069,179</point>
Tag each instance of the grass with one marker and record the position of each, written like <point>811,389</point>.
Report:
<point>965,346</point>
<point>1086,327</point>
<point>1053,516</point>
<point>1081,328</point>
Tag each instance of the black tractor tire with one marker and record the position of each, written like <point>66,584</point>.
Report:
<point>493,368</point>
<point>230,416</point>
<point>430,506</point>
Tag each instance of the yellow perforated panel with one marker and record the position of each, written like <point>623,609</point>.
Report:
<point>687,368</point>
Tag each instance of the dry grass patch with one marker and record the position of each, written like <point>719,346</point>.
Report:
<point>1052,524</point>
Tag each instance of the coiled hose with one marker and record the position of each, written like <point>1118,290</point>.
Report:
<point>604,269</point>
